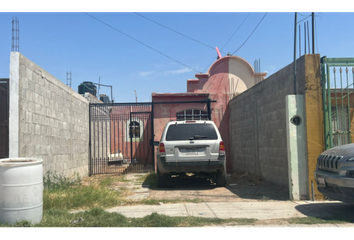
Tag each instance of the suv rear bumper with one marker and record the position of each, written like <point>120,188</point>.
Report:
<point>193,167</point>
<point>336,187</point>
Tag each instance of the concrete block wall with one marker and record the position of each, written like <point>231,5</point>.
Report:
<point>258,125</point>
<point>52,121</point>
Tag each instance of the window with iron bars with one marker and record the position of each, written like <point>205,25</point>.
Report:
<point>192,114</point>
<point>134,130</point>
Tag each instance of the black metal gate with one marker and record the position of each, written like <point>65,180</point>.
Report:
<point>122,135</point>
<point>121,138</point>
<point>4,118</point>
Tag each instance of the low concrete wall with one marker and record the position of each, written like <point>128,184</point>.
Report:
<point>258,122</point>
<point>50,120</point>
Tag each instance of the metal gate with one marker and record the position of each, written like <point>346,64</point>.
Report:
<point>338,100</point>
<point>4,118</point>
<point>121,137</point>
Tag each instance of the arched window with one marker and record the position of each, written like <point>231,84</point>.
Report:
<point>192,114</point>
<point>134,129</point>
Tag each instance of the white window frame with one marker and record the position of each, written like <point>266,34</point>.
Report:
<point>141,125</point>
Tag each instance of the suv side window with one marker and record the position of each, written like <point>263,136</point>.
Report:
<point>182,132</point>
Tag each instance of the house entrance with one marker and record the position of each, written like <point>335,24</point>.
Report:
<point>121,138</point>
<point>122,135</point>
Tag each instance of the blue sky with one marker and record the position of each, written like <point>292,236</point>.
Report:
<point>74,41</point>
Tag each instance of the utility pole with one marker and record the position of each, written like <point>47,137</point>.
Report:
<point>295,33</point>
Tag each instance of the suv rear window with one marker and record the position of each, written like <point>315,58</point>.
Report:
<point>198,131</point>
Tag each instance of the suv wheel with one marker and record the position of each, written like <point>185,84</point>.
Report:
<point>160,179</point>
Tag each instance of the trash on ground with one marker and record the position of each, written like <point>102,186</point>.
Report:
<point>78,220</point>
<point>244,175</point>
<point>160,203</point>
<point>201,213</point>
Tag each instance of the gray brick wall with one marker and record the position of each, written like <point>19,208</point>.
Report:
<point>53,121</point>
<point>258,126</point>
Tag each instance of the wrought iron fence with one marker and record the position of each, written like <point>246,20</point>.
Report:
<point>338,100</point>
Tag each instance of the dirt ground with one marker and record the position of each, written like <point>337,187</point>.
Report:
<point>239,188</point>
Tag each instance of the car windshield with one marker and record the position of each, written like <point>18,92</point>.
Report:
<point>198,131</point>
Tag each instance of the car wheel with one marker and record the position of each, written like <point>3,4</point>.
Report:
<point>160,179</point>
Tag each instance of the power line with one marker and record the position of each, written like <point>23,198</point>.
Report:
<point>141,42</point>
<point>236,30</point>
<point>250,34</point>
<point>304,18</point>
<point>229,39</point>
<point>175,31</point>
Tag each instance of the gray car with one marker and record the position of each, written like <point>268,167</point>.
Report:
<point>191,148</point>
<point>335,173</point>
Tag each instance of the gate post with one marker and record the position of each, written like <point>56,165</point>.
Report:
<point>209,110</point>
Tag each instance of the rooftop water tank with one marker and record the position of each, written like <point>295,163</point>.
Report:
<point>87,87</point>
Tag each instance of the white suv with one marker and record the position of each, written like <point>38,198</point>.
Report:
<point>191,147</point>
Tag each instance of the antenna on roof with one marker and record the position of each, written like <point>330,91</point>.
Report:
<point>136,98</point>
<point>218,52</point>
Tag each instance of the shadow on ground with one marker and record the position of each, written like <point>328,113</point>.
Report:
<point>336,211</point>
<point>238,188</point>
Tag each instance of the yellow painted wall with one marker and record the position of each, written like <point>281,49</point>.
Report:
<point>314,118</point>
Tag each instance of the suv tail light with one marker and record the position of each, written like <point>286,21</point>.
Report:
<point>221,148</point>
<point>162,149</point>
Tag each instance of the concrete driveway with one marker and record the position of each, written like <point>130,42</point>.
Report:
<point>268,210</point>
<point>243,197</point>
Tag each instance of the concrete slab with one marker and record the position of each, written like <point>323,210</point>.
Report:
<point>214,210</point>
<point>140,211</point>
<point>256,210</point>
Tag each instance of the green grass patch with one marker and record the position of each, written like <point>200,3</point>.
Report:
<point>315,220</point>
<point>55,181</point>
<point>97,217</point>
<point>80,198</point>
<point>66,194</point>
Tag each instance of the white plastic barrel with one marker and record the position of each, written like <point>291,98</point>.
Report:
<point>21,190</point>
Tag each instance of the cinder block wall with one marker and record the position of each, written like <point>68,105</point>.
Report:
<point>258,125</point>
<point>53,119</point>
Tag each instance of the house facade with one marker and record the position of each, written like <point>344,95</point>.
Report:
<point>226,78</point>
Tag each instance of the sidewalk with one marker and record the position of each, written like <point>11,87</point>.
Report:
<point>257,210</point>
